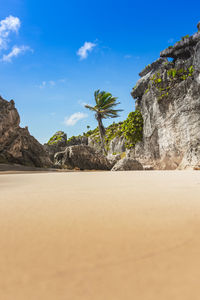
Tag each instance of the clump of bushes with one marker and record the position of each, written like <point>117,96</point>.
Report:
<point>57,137</point>
<point>131,129</point>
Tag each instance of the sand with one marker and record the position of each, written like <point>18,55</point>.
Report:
<point>100,235</point>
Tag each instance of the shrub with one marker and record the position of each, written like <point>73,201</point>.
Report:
<point>132,128</point>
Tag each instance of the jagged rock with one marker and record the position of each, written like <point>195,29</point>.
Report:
<point>95,144</point>
<point>182,49</point>
<point>77,140</point>
<point>16,144</point>
<point>171,110</point>
<point>141,86</point>
<point>82,157</point>
<point>56,144</point>
<point>146,75</point>
<point>117,145</point>
<point>127,164</point>
<point>191,158</point>
<point>113,159</point>
<point>196,60</point>
<point>198,26</point>
<point>59,142</point>
<point>153,67</point>
<point>59,138</point>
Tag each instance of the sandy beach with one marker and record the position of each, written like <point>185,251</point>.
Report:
<point>100,235</point>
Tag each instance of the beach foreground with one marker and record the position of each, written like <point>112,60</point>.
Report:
<point>100,235</point>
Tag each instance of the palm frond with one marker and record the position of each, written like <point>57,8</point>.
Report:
<point>91,107</point>
<point>105,105</point>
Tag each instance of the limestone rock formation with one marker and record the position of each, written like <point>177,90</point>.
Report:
<point>117,145</point>
<point>59,138</point>
<point>57,143</point>
<point>82,157</point>
<point>77,140</point>
<point>127,164</point>
<point>113,159</point>
<point>16,143</point>
<point>168,96</point>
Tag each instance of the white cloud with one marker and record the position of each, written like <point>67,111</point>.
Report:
<point>52,83</point>
<point>85,49</point>
<point>16,50</point>
<point>74,118</point>
<point>49,83</point>
<point>42,85</point>
<point>8,25</point>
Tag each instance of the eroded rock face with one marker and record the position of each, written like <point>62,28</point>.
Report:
<point>113,159</point>
<point>170,105</point>
<point>117,145</point>
<point>57,143</point>
<point>82,157</point>
<point>127,164</point>
<point>16,143</point>
<point>77,140</point>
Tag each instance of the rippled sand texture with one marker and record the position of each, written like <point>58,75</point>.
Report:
<point>100,235</point>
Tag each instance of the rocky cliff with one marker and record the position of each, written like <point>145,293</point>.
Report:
<point>16,143</point>
<point>168,97</point>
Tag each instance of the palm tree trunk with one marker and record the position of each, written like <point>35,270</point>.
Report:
<point>101,132</point>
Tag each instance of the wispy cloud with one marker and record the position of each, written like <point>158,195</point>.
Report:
<point>50,83</point>
<point>8,25</point>
<point>42,85</point>
<point>85,49</point>
<point>74,118</point>
<point>63,80</point>
<point>127,56</point>
<point>16,51</point>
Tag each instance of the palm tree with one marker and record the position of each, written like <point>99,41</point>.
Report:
<point>104,109</point>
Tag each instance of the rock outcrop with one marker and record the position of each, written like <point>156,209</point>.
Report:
<point>168,96</point>
<point>113,159</point>
<point>57,143</point>
<point>77,140</point>
<point>127,164</point>
<point>16,143</point>
<point>82,157</point>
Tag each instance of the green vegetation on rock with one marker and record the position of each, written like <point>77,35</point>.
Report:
<point>174,76</point>
<point>185,37</point>
<point>57,137</point>
<point>131,129</point>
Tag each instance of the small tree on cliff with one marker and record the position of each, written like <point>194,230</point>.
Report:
<point>104,108</point>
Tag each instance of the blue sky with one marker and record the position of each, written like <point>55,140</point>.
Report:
<point>55,54</point>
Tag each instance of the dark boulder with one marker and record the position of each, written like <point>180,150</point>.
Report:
<point>82,157</point>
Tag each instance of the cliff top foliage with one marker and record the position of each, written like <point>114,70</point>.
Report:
<point>163,85</point>
<point>57,137</point>
<point>131,129</point>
